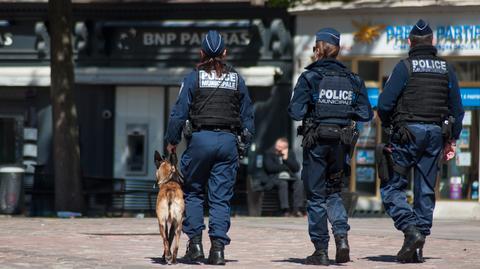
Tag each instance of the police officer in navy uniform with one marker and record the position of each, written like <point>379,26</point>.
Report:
<point>329,99</point>
<point>215,99</point>
<point>422,106</point>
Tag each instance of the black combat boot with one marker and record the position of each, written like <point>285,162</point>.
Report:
<point>418,256</point>
<point>216,256</point>
<point>343,250</point>
<point>413,240</point>
<point>319,257</point>
<point>194,250</point>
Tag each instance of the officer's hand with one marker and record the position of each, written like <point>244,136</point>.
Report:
<point>388,148</point>
<point>171,148</point>
<point>449,150</point>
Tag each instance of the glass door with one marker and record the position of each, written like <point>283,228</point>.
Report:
<point>364,175</point>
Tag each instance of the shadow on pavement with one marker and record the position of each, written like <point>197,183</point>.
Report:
<point>389,258</point>
<point>161,260</point>
<point>123,234</point>
<point>381,258</point>
<point>302,261</point>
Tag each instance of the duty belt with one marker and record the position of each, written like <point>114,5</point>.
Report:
<point>313,133</point>
<point>215,129</point>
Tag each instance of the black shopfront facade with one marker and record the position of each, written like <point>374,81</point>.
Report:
<point>130,60</point>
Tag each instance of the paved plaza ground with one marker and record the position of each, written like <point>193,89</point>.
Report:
<point>256,243</point>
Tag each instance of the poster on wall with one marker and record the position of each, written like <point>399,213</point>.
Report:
<point>464,159</point>
<point>365,156</point>
<point>467,118</point>
<point>464,139</point>
<point>365,174</point>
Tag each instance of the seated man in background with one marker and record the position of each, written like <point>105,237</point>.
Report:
<point>281,166</point>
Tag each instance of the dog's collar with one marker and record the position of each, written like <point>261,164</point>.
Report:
<point>173,171</point>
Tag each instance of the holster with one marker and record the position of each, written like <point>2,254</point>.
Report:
<point>307,130</point>
<point>334,183</point>
<point>447,128</point>
<point>402,134</point>
<point>243,139</point>
<point>385,164</point>
<point>187,130</point>
<point>349,136</point>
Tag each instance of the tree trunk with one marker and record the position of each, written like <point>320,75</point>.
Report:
<point>66,149</point>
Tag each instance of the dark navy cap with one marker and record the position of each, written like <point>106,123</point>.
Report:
<point>213,44</point>
<point>421,28</point>
<point>328,35</point>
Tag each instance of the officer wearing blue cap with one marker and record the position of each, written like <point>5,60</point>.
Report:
<point>329,99</point>
<point>421,109</point>
<point>215,100</point>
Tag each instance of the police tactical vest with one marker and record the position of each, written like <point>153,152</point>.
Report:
<point>425,97</point>
<point>216,101</point>
<point>336,95</point>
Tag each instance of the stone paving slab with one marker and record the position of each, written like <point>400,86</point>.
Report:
<point>256,243</point>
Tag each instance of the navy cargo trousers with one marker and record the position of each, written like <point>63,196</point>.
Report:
<point>319,163</point>
<point>211,160</point>
<point>422,155</point>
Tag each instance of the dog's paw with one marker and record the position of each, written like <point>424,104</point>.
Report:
<point>169,259</point>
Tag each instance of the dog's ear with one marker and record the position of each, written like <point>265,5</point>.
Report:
<point>157,159</point>
<point>172,158</point>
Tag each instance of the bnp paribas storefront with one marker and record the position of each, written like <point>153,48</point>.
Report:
<point>373,40</point>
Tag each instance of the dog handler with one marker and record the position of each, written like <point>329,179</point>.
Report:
<point>328,98</point>
<point>215,100</point>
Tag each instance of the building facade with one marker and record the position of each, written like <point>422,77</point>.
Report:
<point>130,59</point>
<point>373,40</point>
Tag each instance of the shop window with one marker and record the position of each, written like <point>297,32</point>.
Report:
<point>7,140</point>
<point>365,173</point>
<point>467,70</point>
<point>137,149</point>
<point>369,70</point>
<point>459,177</point>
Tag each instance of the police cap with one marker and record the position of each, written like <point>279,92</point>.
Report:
<point>421,28</point>
<point>213,44</point>
<point>328,35</point>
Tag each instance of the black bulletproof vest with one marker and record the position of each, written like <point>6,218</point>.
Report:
<point>216,105</point>
<point>336,95</point>
<point>425,97</point>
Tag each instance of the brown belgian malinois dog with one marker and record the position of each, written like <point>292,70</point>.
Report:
<point>170,204</point>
